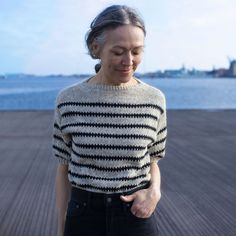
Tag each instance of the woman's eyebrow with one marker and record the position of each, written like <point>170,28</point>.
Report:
<point>124,48</point>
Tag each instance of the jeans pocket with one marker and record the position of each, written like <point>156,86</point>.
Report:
<point>131,215</point>
<point>139,226</point>
<point>76,209</point>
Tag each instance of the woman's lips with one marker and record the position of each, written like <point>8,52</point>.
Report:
<point>125,70</point>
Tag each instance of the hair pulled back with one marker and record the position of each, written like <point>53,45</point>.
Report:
<point>111,18</point>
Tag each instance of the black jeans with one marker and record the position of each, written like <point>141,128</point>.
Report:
<point>97,214</point>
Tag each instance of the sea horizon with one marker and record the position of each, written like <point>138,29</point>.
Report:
<point>29,93</point>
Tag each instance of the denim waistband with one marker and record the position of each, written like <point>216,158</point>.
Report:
<point>78,194</point>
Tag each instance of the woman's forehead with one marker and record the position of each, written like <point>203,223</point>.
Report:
<point>125,29</point>
<point>125,35</point>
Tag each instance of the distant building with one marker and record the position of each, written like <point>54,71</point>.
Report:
<point>224,73</point>
<point>232,68</point>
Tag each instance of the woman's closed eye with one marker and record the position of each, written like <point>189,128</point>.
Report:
<point>117,53</point>
<point>137,52</point>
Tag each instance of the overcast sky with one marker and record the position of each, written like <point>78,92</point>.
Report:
<point>47,37</point>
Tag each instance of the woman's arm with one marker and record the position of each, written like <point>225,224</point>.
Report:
<point>145,200</point>
<point>155,178</point>
<point>63,190</point>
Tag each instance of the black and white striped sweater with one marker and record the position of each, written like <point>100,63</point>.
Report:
<point>109,135</point>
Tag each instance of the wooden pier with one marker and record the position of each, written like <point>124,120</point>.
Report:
<point>198,174</point>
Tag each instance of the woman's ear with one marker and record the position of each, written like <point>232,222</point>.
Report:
<point>95,50</point>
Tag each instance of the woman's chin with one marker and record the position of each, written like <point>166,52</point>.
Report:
<point>124,79</point>
<point>125,76</point>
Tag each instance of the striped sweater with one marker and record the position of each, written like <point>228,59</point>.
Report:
<point>109,135</point>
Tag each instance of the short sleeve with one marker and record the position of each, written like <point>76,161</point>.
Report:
<point>158,148</point>
<point>61,142</point>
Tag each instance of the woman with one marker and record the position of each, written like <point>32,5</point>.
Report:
<point>109,133</point>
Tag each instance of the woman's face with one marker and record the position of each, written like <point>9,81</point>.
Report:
<point>121,53</point>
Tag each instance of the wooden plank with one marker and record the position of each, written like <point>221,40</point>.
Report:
<point>28,174</point>
<point>198,174</point>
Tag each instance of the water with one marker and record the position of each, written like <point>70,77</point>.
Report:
<point>27,93</point>
<point>198,93</point>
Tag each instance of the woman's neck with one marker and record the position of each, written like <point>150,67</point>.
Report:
<point>98,79</point>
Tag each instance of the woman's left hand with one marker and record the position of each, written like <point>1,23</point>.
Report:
<point>145,201</point>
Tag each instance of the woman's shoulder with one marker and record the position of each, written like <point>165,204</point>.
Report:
<point>69,92</point>
<point>152,91</point>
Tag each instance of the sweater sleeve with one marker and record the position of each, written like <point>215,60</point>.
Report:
<point>157,148</point>
<point>61,142</point>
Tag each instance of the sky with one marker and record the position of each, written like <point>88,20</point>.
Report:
<point>48,37</point>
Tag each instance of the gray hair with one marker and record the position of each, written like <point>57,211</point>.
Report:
<point>111,18</point>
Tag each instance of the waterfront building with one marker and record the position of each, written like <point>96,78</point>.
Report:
<point>232,68</point>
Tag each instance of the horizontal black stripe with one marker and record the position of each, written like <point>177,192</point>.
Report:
<point>162,130</point>
<point>111,169</point>
<point>157,153</point>
<point>61,150</point>
<point>109,189</point>
<point>62,140</point>
<point>108,114</point>
<point>55,125</point>
<point>106,125</point>
<point>110,158</point>
<point>73,174</point>
<point>118,136</point>
<point>58,137</point>
<point>61,157</point>
<point>106,104</point>
<point>159,141</point>
<point>106,146</point>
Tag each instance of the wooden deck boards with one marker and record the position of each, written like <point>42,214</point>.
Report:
<point>198,174</point>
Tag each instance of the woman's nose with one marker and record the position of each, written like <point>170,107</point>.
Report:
<point>128,59</point>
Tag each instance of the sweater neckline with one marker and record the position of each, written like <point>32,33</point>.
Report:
<point>111,87</point>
